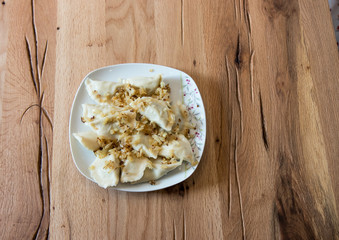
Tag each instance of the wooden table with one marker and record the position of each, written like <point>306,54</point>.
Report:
<point>268,72</point>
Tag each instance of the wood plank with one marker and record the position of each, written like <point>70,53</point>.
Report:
<point>81,39</point>
<point>295,130</point>
<point>268,74</point>
<point>25,198</point>
<point>326,95</point>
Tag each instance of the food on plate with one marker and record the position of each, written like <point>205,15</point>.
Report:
<point>137,134</point>
<point>155,110</point>
<point>88,140</point>
<point>106,170</point>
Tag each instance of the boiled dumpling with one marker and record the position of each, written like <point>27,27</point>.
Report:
<point>146,143</point>
<point>101,91</point>
<point>105,171</point>
<point>178,148</point>
<point>134,168</point>
<point>106,120</point>
<point>181,118</point>
<point>156,111</point>
<point>148,83</point>
<point>87,139</point>
<point>158,170</point>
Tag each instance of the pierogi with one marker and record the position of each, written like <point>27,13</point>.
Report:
<point>136,133</point>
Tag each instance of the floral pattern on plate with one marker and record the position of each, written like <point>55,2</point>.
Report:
<point>192,100</point>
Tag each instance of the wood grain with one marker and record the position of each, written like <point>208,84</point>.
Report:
<point>268,74</point>
<point>24,191</point>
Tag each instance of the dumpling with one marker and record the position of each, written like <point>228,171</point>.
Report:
<point>88,140</point>
<point>181,117</point>
<point>156,111</point>
<point>134,168</point>
<point>146,143</point>
<point>105,171</point>
<point>148,83</point>
<point>101,91</point>
<point>179,148</point>
<point>107,121</point>
<point>158,170</point>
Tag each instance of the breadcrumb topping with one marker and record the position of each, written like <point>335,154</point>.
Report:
<point>124,122</point>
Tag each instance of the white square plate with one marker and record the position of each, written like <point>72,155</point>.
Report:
<point>183,88</point>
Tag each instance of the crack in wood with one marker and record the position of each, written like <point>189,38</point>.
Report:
<point>221,130</point>
<point>229,170</point>
<point>182,22</point>
<point>231,130</point>
<point>43,110</point>
<point>36,80</point>
<point>249,30</point>
<point>47,182</point>
<point>235,10</point>
<point>228,78</point>
<point>47,234</point>
<point>263,123</point>
<point>238,187</point>
<point>29,52</point>
<point>237,59</point>
<point>251,74</point>
<point>240,7</point>
<point>184,226</point>
<point>45,199</point>
<point>36,47</point>
<point>44,59</point>
<point>249,23</point>
<point>220,141</point>
<point>39,166</point>
<point>174,231</point>
<point>245,9</point>
<point>239,101</point>
<point>249,41</point>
